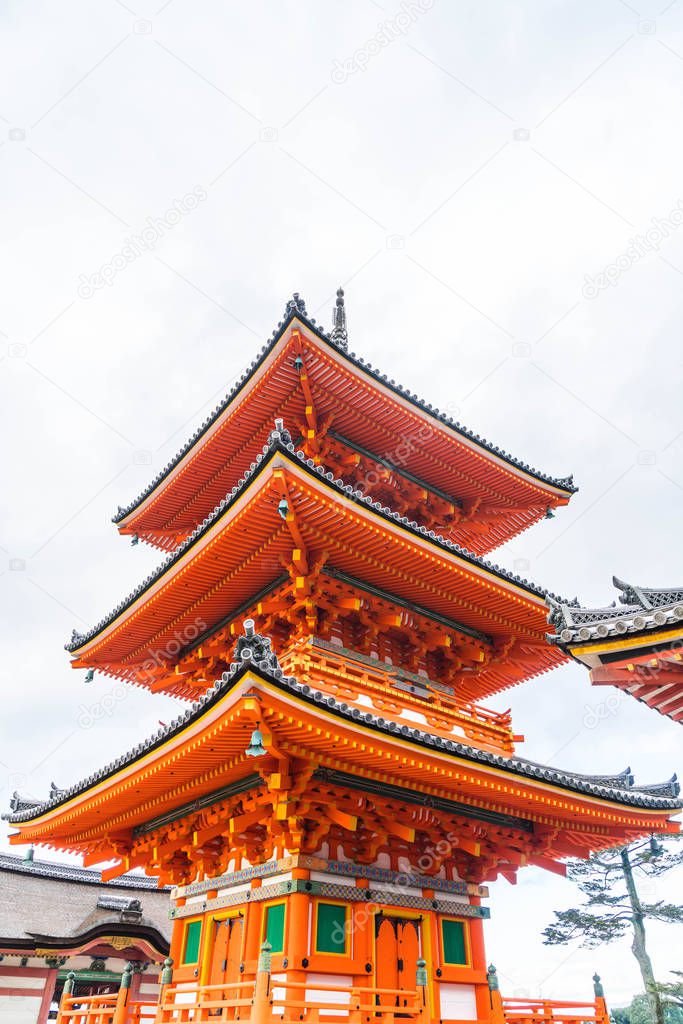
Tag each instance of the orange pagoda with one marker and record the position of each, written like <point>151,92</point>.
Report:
<point>336,796</point>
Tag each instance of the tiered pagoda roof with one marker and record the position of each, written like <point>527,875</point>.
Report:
<point>157,805</point>
<point>329,573</point>
<point>368,429</point>
<point>634,645</point>
<point>288,523</point>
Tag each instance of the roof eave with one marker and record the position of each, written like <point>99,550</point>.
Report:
<point>506,579</point>
<point>564,487</point>
<point>226,687</point>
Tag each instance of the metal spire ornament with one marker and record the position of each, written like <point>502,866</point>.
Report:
<point>339,334</point>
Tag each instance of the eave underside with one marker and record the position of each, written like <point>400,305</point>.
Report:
<point>655,679</point>
<point>301,796</point>
<point>247,551</point>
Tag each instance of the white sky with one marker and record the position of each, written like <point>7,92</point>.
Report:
<point>461,181</point>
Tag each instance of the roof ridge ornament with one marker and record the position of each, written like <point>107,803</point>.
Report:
<point>339,334</point>
<point>631,595</point>
<point>279,433</point>
<point>671,788</point>
<point>20,803</point>
<point>254,647</point>
<point>295,305</point>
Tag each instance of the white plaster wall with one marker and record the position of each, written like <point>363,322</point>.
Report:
<point>342,998</point>
<point>21,981</point>
<point>20,1009</point>
<point>458,1002</point>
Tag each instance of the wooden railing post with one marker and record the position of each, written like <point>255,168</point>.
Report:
<point>260,1006</point>
<point>496,1000</point>
<point>355,996</point>
<point>67,992</point>
<point>165,980</point>
<point>121,1009</point>
<point>601,1013</point>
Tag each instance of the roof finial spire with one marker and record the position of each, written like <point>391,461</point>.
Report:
<point>339,333</point>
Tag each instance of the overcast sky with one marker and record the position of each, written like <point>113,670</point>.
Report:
<point>475,175</point>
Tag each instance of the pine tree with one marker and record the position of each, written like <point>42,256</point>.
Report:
<point>613,906</point>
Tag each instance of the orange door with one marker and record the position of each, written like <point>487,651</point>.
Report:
<point>397,948</point>
<point>226,958</point>
<point>408,953</point>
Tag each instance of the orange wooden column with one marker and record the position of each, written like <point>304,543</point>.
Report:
<point>253,922</point>
<point>363,924</point>
<point>481,991</point>
<point>298,911</point>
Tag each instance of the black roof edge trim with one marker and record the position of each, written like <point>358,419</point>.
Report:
<point>511,765</point>
<point>298,457</point>
<point>563,483</point>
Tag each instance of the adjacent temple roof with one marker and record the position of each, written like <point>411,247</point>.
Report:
<point>640,609</point>
<point>71,873</point>
<point>254,654</point>
<point>61,908</point>
<point>634,645</point>
<point>165,506</point>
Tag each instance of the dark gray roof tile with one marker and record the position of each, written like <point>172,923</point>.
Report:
<point>565,483</point>
<point>255,653</point>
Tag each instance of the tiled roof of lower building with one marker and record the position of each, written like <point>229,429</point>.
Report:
<point>71,873</point>
<point>52,905</point>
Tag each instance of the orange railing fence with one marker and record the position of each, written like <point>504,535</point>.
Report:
<point>199,1003</point>
<point>506,1010</point>
<point>268,1000</point>
<point>273,1001</point>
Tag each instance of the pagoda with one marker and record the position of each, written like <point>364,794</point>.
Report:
<point>336,796</point>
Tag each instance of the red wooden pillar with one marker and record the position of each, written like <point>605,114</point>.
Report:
<point>297,933</point>
<point>363,937</point>
<point>253,919</point>
<point>48,992</point>
<point>482,994</point>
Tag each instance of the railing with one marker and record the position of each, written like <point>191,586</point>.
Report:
<point>478,723</point>
<point>86,1009</point>
<point>362,1004</point>
<point>265,1000</point>
<point>199,1003</point>
<point>137,1011</point>
<point>549,1011</point>
<point>113,1008</point>
<point>506,1010</point>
